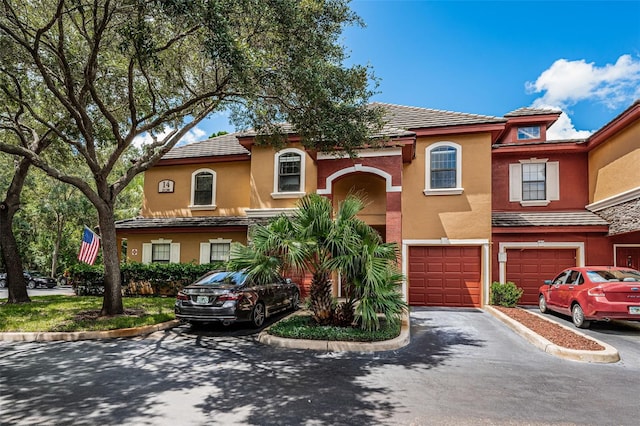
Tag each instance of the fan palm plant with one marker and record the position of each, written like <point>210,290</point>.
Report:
<point>315,240</point>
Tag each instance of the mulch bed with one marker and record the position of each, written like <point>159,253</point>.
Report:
<point>550,330</point>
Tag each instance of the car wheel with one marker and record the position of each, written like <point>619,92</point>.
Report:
<point>542,304</point>
<point>258,315</point>
<point>295,301</point>
<point>3,283</point>
<point>31,284</point>
<point>577,315</point>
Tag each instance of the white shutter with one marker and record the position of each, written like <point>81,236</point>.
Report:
<point>146,252</point>
<point>515,182</point>
<point>553,181</point>
<point>205,253</point>
<point>174,256</point>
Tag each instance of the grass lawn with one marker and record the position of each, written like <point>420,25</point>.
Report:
<point>302,327</point>
<point>80,313</point>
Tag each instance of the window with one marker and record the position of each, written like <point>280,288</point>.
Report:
<point>215,250</point>
<point>443,175</point>
<point>531,132</point>
<point>219,252</point>
<point>161,251</point>
<point>534,182</point>
<point>289,173</point>
<point>203,188</point>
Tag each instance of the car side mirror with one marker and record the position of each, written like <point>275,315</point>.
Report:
<point>547,282</point>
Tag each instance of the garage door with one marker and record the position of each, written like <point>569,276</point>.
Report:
<point>528,268</point>
<point>444,276</point>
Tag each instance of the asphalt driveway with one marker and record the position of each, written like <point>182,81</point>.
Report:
<point>461,367</point>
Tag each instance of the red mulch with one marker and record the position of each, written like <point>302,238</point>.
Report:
<point>550,330</point>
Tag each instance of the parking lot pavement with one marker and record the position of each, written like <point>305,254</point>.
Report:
<point>461,367</point>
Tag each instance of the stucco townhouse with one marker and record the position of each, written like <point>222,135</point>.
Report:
<point>456,191</point>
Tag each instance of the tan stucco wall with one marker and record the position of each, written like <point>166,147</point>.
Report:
<point>614,166</point>
<point>232,190</point>
<point>189,242</point>
<point>464,216</point>
<point>375,195</point>
<point>262,178</point>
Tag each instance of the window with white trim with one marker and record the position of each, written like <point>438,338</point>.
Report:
<point>203,189</point>
<point>528,132</point>
<point>289,173</point>
<point>443,174</point>
<point>161,251</point>
<point>215,250</point>
<point>534,182</point>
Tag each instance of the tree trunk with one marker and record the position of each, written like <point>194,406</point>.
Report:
<point>8,245</point>
<point>321,300</point>
<point>56,246</point>
<point>112,302</point>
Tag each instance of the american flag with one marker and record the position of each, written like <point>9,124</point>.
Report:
<point>90,246</point>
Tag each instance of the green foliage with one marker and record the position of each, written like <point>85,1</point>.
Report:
<point>303,327</point>
<point>139,278</point>
<point>507,294</point>
<point>75,313</point>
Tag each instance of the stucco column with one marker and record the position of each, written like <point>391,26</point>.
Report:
<point>394,217</point>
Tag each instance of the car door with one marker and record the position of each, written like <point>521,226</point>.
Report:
<point>555,290</point>
<point>567,291</point>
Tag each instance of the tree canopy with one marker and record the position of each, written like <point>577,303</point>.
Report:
<point>92,77</point>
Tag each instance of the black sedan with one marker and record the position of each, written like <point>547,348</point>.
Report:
<point>227,297</point>
<point>33,279</point>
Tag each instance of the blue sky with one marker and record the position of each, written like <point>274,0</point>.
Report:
<point>491,57</point>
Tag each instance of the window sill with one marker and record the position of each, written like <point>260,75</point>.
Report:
<point>279,195</point>
<point>536,203</point>
<point>209,207</point>
<point>445,191</point>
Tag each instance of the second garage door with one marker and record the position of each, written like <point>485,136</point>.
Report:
<point>444,276</point>
<point>528,268</point>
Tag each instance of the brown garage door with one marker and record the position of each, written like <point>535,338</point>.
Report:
<point>528,268</point>
<point>444,276</point>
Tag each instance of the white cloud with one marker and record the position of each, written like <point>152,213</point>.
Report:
<point>194,135</point>
<point>566,83</point>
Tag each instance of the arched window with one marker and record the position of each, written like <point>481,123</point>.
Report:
<point>289,173</point>
<point>203,188</point>
<point>443,174</point>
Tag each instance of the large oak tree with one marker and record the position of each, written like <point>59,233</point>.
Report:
<point>109,71</point>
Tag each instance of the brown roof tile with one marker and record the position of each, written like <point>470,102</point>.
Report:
<point>577,218</point>
<point>181,222</point>
<point>219,146</point>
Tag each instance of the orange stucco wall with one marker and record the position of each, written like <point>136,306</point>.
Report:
<point>262,178</point>
<point>189,242</point>
<point>373,188</point>
<point>613,166</point>
<point>232,190</point>
<point>464,216</point>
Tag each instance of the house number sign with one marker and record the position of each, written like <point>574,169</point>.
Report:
<point>165,186</point>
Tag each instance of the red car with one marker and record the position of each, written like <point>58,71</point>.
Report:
<point>593,293</point>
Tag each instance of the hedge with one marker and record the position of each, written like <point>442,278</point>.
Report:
<point>139,279</point>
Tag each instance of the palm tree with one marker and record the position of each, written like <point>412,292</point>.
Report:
<point>314,240</point>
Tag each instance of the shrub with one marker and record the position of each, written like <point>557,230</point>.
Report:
<point>507,294</point>
<point>140,279</point>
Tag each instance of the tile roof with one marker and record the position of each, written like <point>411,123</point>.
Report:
<point>577,218</point>
<point>219,146</point>
<point>181,222</point>
<point>405,117</point>
<point>532,111</point>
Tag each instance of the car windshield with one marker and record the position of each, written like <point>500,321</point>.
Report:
<point>223,278</point>
<point>605,275</point>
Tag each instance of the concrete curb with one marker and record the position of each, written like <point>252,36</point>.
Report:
<point>86,335</point>
<point>402,340</point>
<point>608,355</point>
